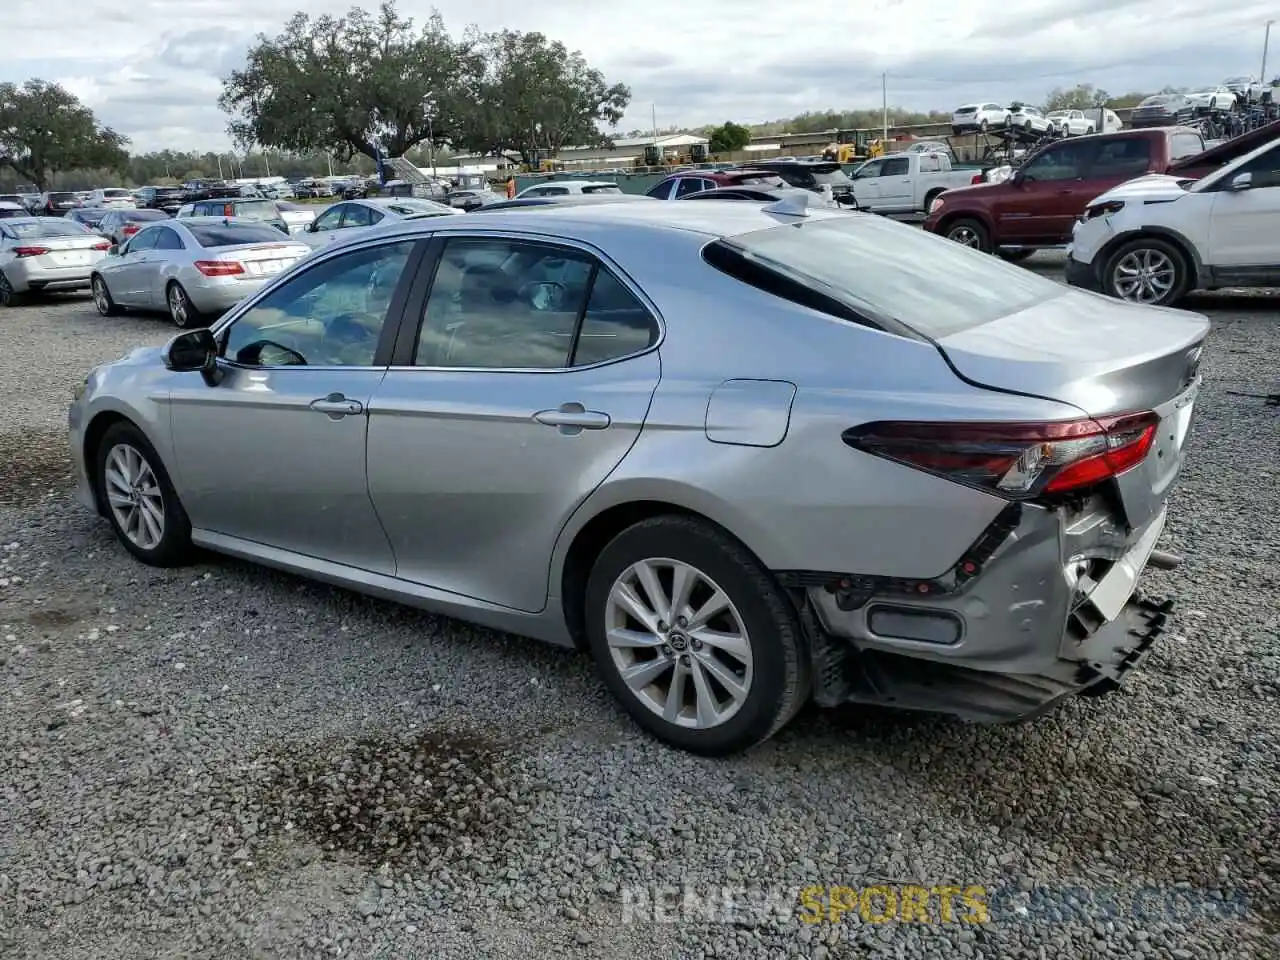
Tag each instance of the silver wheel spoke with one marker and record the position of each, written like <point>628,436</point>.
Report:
<point>134,496</point>
<point>679,643</point>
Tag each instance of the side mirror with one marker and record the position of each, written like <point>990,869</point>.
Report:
<point>1017,178</point>
<point>194,351</point>
<point>311,227</point>
<point>1242,181</point>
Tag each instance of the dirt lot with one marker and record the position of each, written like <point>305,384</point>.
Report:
<point>227,762</point>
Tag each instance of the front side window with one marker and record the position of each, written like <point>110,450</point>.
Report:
<point>661,190</point>
<point>1264,168</point>
<point>871,168</point>
<point>330,315</point>
<point>331,219</point>
<point>144,240</point>
<point>896,167</point>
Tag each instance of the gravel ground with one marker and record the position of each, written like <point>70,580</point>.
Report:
<point>226,762</point>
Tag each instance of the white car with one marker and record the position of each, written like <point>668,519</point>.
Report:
<point>1028,119</point>
<point>45,253</point>
<point>563,188</point>
<point>1070,123</point>
<point>296,215</point>
<point>1156,238</point>
<point>1213,98</point>
<point>1246,89</point>
<point>341,219</point>
<point>979,117</point>
<point>114,198</point>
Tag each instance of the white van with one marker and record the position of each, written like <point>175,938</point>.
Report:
<point>1104,120</point>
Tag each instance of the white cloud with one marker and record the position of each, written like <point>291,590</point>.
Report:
<point>152,70</point>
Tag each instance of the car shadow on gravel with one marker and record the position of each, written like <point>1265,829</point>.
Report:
<point>33,463</point>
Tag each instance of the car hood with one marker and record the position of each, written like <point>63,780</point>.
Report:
<point>1153,188</point>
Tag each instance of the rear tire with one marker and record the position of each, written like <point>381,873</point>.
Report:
<point>969,233</point>
<point>139,500</point>
<point>1014,256</point>
<point>8,296</point>
<point>102,298</point>
<point>739,675</point>
<point>1147,270</point>
<point>931,196</point>
<point>182,311</point>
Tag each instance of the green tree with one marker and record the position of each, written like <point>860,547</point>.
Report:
<point>728,137</point>
<point>1080,97</point>
<point>44,129</point>
<point>533,96</point>
<point>337,85</point>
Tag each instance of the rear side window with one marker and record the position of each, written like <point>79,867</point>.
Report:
<point>602,188</point>
<point>1183,145</point>
<point>1124,157</point>
<point>226,235</point>
<point>872,270</point>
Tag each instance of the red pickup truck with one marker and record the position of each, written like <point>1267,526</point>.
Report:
<point>1037,206</point>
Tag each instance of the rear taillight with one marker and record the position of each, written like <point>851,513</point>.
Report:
<point>30,251</point>
<point>977,178</point>
<point>219,268</point>
<point>104,245</point>
<point>129,229</point>
<point>1015,460</point>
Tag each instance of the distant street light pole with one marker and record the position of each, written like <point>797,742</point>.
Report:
<point>1266,42</point>
<point>430,107</point>
<point>884,104</point>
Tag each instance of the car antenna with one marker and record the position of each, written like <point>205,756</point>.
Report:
<point>796,205</point>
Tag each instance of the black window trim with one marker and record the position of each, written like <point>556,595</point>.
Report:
<point>387,339</point>
<point>406,341</point>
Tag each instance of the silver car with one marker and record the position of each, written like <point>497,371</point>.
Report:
<point>745,457</point>
<point>45,253</point>
<point>194,268</point>
<point>341,218</point>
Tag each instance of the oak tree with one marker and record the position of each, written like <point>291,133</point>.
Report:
<point>534,97</point>
<point>44,129</point>
<point>728,137</point>
<point>346,85</point>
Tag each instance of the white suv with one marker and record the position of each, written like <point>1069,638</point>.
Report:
<point>113,198</point>
<point>1070,123</point>
<point>1027,118</point>
<point>1156,238</point>
<point>979,117</point>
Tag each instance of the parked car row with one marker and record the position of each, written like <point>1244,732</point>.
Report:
<point>1147,214</point>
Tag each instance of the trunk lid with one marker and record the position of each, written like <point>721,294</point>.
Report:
<point>1106,358</point>
<point>66,251</point>
<point>1101,355</point>
<point>262,259</point>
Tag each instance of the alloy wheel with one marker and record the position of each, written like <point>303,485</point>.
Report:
<point>134,496</point>
<point>679,643</point>
<point>966,237</point>
<point>6,292</point>
<point>1144,276</point>
<point>179,306</point>
<point>100,298</point>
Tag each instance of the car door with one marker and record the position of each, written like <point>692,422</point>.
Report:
<point>324,228</point>
<point>895,182</point>
<point>128,278</point>
<point>1040,206</point>
<point>151,276</point>
<point>866,184</point>
<point>275,453</point>
<point>497,419</point>
<point>1243,242</point>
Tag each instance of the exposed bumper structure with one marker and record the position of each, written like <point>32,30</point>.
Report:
<point>1044,605</point>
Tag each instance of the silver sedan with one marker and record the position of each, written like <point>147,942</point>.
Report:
<point>193,267</point>
<point>341,219</point>
<point>45,253</point>
<point>744,454</point>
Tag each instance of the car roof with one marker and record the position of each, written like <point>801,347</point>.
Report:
<point>583,221</point>
<point>10,205</point>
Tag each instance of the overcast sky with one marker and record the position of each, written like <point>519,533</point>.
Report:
<point>151,68</point>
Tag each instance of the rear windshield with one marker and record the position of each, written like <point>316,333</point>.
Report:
<point>134,216</point>
<point>48,227</point>
<point>257,210</point>
<point>602,188</point>
<point>884,271</point>
<point>408,206</point>
<point>229,234</point>
<point>62,196</point>
<point>90,214</point>
<point>759,179</point>
<point>1155,101</point>
<point>168,191</point>
<point>115,193</point>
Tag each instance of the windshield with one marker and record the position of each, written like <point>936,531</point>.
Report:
<point>114,193</point>
<point>48,227</point>
<point>408,206</point>
<point>231,233</point>
<point>883,269</point>
<point>1155,101</point>
<point>836,176</point>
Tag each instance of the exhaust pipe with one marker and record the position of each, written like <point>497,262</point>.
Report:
<point>1163,560</point>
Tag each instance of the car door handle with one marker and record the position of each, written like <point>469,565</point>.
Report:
<point>573,417</point>
<point>337,406</point>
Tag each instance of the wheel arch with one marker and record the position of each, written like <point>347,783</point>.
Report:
<point>586,543</point>
<point>1178,240</point>
<point>95,429</point>
<point>946,221</point>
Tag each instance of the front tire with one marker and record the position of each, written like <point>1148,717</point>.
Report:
<point>140,502</point>
<point>1148,271</point>
<point>102,298</point>
<point>969,233</point>
<point>694,637</point>
<point>8,296</point>
<point>1014,256</point>
<point>182,311</point>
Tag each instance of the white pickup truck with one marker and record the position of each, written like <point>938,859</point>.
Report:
<point>907,182</point>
